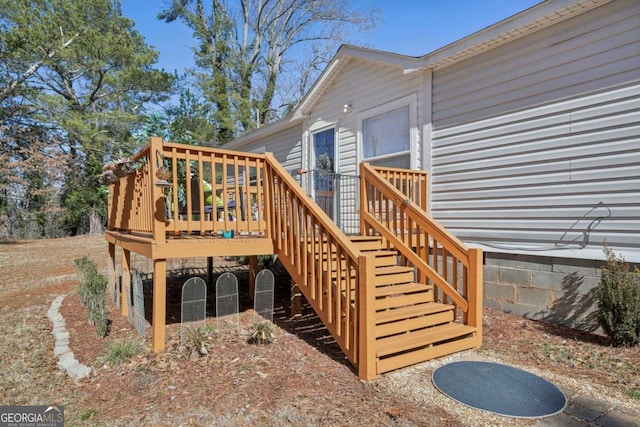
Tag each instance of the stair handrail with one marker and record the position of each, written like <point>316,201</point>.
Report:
<point>308,202</point>
<point>456,247</point>
<point>358,340</point>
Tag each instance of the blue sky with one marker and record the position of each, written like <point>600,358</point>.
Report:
<point>409,27</point>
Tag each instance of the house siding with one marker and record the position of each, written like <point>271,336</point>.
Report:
<point>533,150</point>
<point>286,146</point>
<point>536,144</point>
<point>365,85</point>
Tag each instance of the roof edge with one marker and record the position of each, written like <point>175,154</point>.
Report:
<point>528,21</point>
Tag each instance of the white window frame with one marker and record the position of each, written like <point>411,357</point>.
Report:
<point>410,101</point>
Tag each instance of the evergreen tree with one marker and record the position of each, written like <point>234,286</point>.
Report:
<point>86,76</point>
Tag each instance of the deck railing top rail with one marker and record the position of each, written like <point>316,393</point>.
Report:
<point>321,217</point>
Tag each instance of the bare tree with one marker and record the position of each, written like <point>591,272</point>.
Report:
<point>244,47</point>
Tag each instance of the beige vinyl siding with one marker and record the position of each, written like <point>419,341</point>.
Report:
<point>536,145</point>
<point>592,51</point>
<point>285,145</point>
<point>365,85</point>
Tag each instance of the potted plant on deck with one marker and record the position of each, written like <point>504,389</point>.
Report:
<point>116,169</point>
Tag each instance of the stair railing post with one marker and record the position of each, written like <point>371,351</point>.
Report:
<point>270,198</point>
<point>366,318</point>
<point>474,316</point>
<point>157,193</point>
<point>364,202</point>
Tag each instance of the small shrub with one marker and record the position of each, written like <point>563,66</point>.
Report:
<point>87,415</point>
<point>619,301</point>
<point>93,288</point>
<point>87,271</point>
<point>195,341</point>
<point>555,353</point>
<point>262,333</point>
<point>120,351</point>
<point>634,394</point>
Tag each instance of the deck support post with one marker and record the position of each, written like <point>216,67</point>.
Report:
<point>125,282</point>
<point>210,271</point>
<point>158,315</point>
<point>111,265</point>
<point>296,300</point>
<point>366,318</point>
<point>474,316</point>
<point>253,272</point>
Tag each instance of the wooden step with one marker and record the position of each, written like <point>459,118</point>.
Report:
<point>415,323</point>
<point>421,338</point>
<point>391,363</point>
<point>367,243</point>
<point>400,296</point>
<point>382,257</point>
<point>412,311</point>
<point>397,301</point>
<point>365,238</point>
<point>393,274</point>
<point>386,258</point>
<point>404,288</point>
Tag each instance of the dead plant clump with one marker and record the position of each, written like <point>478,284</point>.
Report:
<point>302,378</point>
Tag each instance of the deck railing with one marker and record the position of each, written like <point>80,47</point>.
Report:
<point>130,203</point>
<point>336,194</point>
<point>412,183</point>
<point>441,259</point>
<point>330,271</point>
<point>207,190</point>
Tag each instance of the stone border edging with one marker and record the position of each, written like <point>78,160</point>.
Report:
<point>66,360</point>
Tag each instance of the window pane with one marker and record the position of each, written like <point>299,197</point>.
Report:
<point>386,133</point>
<point>324,150</point>
<point>323,169</point>
<point>393,162</point>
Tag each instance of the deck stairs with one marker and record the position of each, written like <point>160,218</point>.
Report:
<point>410,326</point>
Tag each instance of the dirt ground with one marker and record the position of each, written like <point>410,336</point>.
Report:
<point>301,379</point>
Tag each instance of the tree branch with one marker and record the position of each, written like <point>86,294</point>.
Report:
<point>10,89</point>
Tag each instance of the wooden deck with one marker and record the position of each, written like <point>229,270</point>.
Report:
<point>389,297</point>
<point>190,245</point>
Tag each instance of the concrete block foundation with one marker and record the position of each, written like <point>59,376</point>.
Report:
<point>556,290</point>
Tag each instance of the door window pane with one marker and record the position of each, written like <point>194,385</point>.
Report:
<point>323,170</point>
<point>324,150</point>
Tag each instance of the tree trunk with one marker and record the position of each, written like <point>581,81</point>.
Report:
<point>95,223</point>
